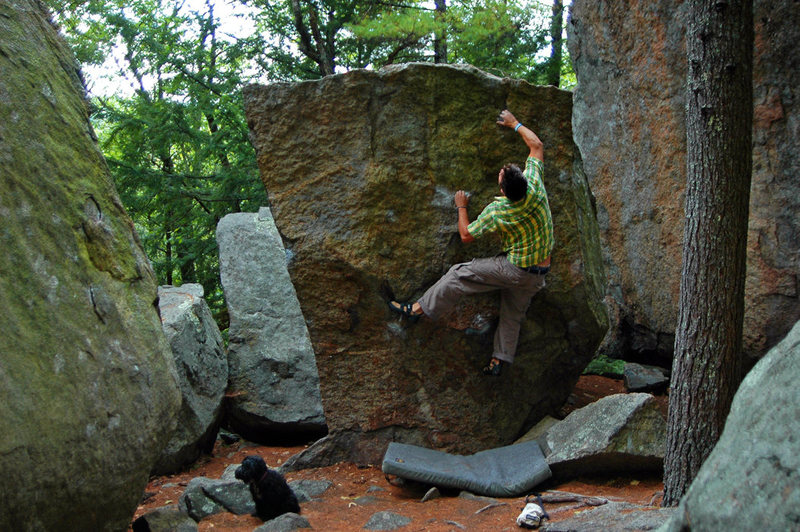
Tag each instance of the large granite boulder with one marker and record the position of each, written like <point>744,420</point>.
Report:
<point>361,169</point>
<point>87,383</point>
<point>202,367</point>
<point>629,124</point>
<point>273,383</point>
<point>753,474</point>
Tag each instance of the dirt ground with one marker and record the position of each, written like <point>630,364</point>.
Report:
<point>358,493</point>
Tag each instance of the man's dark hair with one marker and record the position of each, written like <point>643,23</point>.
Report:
<point>514,184</point>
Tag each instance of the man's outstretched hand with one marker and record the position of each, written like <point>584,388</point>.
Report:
<point>507,119</point>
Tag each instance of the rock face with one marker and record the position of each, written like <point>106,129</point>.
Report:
<point>203,370</point>
<point>361,169</point>
<point>753,474</point>
<point>629,108</point>
<point>623,433</point>
<point>273,382</point>
<point>87,382</point>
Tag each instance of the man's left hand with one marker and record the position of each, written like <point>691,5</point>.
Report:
<point>461,199</point>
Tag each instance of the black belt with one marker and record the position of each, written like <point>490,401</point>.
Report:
<point>536,270</point>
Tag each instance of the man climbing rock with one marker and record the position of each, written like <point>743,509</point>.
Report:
<point>521,214</point>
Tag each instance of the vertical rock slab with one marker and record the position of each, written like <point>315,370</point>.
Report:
<point>202,367</point>
<point>772,285</point>
<point>361,169</point>
<point>87,383</point>
<point>630,60</point>
<point>273,380</point>
<point>628,121</point>
<point>753,473</point>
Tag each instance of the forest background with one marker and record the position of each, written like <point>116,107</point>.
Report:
<point>164,81</point>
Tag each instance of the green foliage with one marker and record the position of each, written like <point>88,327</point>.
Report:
<point>497,36</point>
<point>178,148</point>
<point>607,367</point>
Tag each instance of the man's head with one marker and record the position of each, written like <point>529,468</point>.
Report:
<point>512,182</point>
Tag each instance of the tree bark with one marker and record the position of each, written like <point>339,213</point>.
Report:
<point>708,343</point>
<point>440,39</point>
<point>313,43</point>
<point>556,28</point>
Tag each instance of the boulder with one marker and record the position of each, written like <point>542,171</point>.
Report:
<point>284,523</point>
<point>644,378</point>
<point>205,496</point>
<point>618,434</point>
<point>753,473</point>
<point>617,516</point>
<point>306,489</point>
<point>386,520</point>
<point>629,124</point>
<point>345,446</point>
<point>165,519</point>
<point>88,386</point>
<point>361,169</point>
<point>273,379</point>
<point>202,368</point>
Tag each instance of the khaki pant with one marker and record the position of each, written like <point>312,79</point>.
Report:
<point>516,286</point>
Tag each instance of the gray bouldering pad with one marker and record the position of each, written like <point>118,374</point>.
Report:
<point>503,472</point>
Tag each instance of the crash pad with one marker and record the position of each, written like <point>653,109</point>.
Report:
<point>507,471</point>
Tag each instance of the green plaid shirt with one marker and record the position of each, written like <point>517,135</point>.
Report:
<point>526,226</point>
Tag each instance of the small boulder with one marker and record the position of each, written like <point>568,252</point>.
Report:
<point>165,519</point>
<point>642,378</point>
<point>619,516</point>
<point>284,523</point>
<point>616,434</point>
<point>306,489</point>
<point>387,521</point>
<point>206,496</point>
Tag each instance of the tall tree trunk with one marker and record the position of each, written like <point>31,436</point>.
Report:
<point>168,250</point>
<point>556,28</point>
<point>168,167</point>
<point>188,273</point>
<point>719,114</point>
<point>440,39</point>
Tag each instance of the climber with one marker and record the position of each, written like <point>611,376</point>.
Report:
<point>522,216</point>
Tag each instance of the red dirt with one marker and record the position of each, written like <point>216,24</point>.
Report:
<point>337,511</point>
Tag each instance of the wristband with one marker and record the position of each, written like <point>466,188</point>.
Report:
<point>460,208</point>
<point>519,125</point>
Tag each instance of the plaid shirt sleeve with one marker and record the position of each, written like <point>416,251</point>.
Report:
<point>484,223</point>
<point>533,173</point>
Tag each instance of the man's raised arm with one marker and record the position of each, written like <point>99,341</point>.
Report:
<point>530,138</point>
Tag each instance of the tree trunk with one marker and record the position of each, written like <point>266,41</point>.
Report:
<point>440,39</point>
<point>313,43</point>
<point>719,113</point>
<point>556,28</point>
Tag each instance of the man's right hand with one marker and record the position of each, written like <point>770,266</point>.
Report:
<point>507,119</point>
<point>530,138</point>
